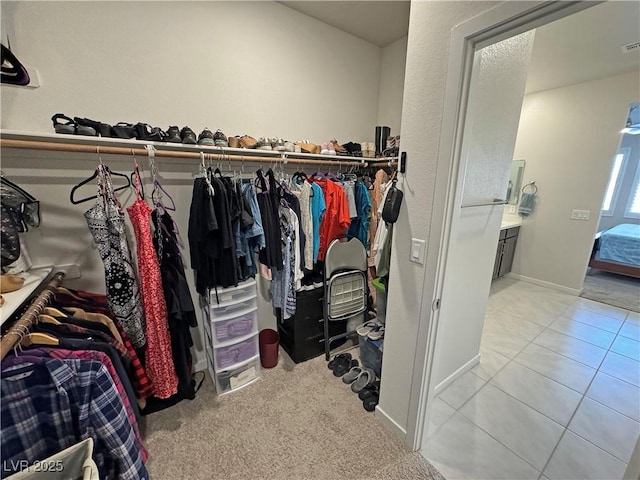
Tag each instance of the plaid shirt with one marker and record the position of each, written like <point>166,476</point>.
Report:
<point>60,403</point>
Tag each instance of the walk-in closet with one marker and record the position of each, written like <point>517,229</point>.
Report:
<point>198,209</point>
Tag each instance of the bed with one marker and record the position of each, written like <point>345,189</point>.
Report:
<point>617,250</point>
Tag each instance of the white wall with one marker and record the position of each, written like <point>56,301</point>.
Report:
<point>425,79</point>
<point>568,137</point>
<point>625,184</point>
<point>394,57</point>
<point>245,67</point>
<point>495,98</point>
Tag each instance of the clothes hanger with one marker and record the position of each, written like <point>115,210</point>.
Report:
<point>44,318</point>
<point>33,339</point>
<point>54,312</point>
<point>136,178</point>
<point>93,176</point>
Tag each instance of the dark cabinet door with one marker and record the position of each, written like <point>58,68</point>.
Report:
<point>507,255</point>
<point>496,265</point>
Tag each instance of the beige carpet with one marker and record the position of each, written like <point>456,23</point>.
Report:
<point>297,422</point>
<point>613,289</point>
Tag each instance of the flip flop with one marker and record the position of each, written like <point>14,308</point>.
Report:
<point>351,375</point>
<point>376,334</point>
<point>338,358</point>
<point>342,367</point>
<point>369,389</point>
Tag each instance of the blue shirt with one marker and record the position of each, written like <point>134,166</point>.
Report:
<point>318,207</point>
<point>359,227</point>
<point>50,404</point>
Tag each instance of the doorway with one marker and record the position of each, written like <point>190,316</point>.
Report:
<point>474,227</point>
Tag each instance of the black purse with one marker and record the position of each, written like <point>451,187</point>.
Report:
<point>392,204</point>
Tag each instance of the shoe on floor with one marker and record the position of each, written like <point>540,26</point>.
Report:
<point>366,377</point>
<point>206,138</point>
<point>188,136</point>
<point>220,139</point>
<point>173,135</point>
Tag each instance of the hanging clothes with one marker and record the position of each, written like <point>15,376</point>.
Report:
<point>180,309</point>
<point>105,220</point>
<point>318,209</point>
<point>250,239</point>
<point>376,212</point>
<point>268,201</point>
<point>383,228</point>
<point>283,289</point>
<point>336,220</point>
<point>303,192</point>
<point>359,227</point>
<point>158,355</point>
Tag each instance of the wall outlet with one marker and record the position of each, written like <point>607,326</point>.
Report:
<point>580,214</point>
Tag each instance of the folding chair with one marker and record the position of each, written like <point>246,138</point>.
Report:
<point>345,285</point>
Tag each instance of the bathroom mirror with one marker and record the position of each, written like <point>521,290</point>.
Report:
<point>514,188</point>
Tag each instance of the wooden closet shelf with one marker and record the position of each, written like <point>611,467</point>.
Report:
<point>100,145</point>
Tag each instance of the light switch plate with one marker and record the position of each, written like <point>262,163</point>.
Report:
<point>580,215</point>
<point>417,251</point>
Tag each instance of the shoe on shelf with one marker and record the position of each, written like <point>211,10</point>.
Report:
<point>279,145</point>
<point>220,139</point>
<point>327,149</point>
<point>339,149</point>
<point>173,135</point>
<point>144,131</point>
<point>124,130</point>
<point>102,129</point>
<point>206,137</point>
<point>308,147</point>
<point>247,141</point>
<point>264,144</point>
<point>66,127</point>
<point>188,136</point>
<point>234,142</point>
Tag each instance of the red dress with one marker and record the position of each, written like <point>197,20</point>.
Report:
<point>159,357</point>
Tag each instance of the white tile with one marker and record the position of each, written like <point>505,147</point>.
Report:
<point>512,324</point>
<point>575,458</point>
<point>440,413</point>
<point>621,396</point>
<point>592,318</point>
<point>490,363</point>
<point>540,311</point>
<point>602,308</point>
<point>621,367</point>
<point>507,345</point>
<point>633,317</point>
<point>539,392</point>
<point>582,331</point>
<point>462,389</point>
<point>562,369</point>
<point>627,347</point>
<point>459,449</point>
<point>611,431</point>
<point>630,329</point>
<point>571,347</point>
<point>518,427</point>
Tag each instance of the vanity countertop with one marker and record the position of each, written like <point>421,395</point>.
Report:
<point>510,222</point>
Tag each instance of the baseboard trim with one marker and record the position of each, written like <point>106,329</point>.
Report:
<point>542,283</point>
<point>456,375</point>
<point>391,424</point>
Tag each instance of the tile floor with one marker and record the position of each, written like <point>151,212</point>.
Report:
<point>556,393</point>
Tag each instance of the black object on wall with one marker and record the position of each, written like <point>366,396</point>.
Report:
<point>12,71</point>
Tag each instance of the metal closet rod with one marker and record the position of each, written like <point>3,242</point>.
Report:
<point>21,328</point>
<point>287,157</point>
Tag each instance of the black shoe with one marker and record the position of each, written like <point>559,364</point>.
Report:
<point>188,136</point>
<point>144,131</point>
<point>206,138</point>
<point>124,130</point>
<point>173,135</point>
<point>103,129</point>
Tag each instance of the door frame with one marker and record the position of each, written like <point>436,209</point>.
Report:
<point>505,20</point>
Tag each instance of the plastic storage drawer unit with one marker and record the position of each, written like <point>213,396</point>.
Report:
<point>225,295</point>
<point>228,355</point>
<point>229,380</point>
<point>236,327</point>
<point>231,309</point>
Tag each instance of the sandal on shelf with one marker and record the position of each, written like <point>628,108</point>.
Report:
<point>124,130</point>
<point>103,129</point>
<point>144,131</point>
<point>377,333</point>
<point>364,329</point>
<point>67,128</point>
